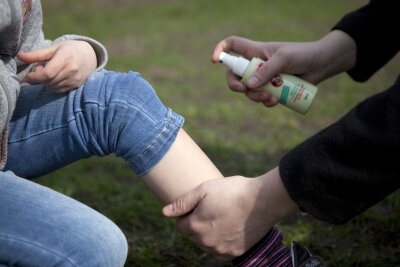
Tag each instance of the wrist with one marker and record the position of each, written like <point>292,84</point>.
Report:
<point>339,50</point>
<point>274,198</point>
<point>90,54</point>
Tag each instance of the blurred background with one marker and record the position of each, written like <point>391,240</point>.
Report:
<point>170,43</point>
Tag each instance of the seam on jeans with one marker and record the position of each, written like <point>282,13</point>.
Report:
<point>158,137</point>
<point>38,246</point>
<point>80,111</point>
<point>42,132</point>
<point>111,104</point>
<point>117,102</point>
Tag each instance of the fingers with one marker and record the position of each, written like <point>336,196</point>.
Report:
<point>258,95</point>
<point>262,96</point>
<point>42,73</point>
<point>234,82</point>
<point>60,74</point>
<point>60,84</point>
<point>184,204</point>
<point>253,87</point>
<point>67,65</point>
<point>38,67</point>
<point>46,74</point>
<point>197,231</point>
<point>271,102</point>
<point>274,66</point>
<point>237,45</point>
<point>40,55</point>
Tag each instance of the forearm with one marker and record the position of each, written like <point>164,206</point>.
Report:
<point>348,167</point>
<point>184,167</point>
<point>338,53</point>
<point>366,26</point>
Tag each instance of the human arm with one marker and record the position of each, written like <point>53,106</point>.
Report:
<point>370,28</point>
<point>357,44</point>
<point>228,216</point>
<point>195,223</point>
<point>312,61</point>
<point>346,168</point>
<point>349,166</point>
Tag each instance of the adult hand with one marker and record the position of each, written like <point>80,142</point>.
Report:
<point>62,66</point>
<point>312,61</point>
<point>228,216</point>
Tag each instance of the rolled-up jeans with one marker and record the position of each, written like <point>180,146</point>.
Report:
<point>111,112</point>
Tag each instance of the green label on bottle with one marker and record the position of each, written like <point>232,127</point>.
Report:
<point>284,94</point>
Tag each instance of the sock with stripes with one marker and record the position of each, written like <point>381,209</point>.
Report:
<point>268,252</point>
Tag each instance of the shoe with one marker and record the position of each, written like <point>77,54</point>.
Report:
<point>301,257</point>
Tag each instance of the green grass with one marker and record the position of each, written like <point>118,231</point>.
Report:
<point>170,42</point>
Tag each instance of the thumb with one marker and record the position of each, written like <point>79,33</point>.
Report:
<point>265,72</point>
<point>40,55</point>
<point>184,204</point>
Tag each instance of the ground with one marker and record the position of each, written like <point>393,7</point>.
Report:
<point>170,43</point>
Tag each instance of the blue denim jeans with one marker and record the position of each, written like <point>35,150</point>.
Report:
<point>112,112</point>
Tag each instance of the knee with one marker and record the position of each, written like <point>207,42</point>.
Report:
<point>115,90</point>
<point>101,245</point>
<point>123,115</point>
<point>115,106</point>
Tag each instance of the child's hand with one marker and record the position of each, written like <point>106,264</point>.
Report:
<point>66,65</point>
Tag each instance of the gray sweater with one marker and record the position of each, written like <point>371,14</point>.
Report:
<point>21,31</point>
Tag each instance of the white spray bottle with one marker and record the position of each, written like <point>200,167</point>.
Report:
<point>291,91</point>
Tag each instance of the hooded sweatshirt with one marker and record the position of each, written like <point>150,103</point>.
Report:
<point>21,31</point>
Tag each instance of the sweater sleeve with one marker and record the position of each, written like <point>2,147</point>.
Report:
<point>33,39</point>
<point>351,165</point>
<point>369,27</point>
<point>99,49</point>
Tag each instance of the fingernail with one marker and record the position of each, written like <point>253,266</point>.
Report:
<point>167,210</point>
<point>170,209</point>
<point>252,82</point>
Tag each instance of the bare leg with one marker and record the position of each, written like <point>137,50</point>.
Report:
<point>184,167</point>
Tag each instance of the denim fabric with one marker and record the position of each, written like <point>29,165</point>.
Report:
<point>111,113</point>
<point>41,228</point>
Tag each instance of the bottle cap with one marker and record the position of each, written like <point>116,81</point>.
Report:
<point>238,65</point>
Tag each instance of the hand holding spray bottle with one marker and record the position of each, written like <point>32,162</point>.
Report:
<point>291,91</point>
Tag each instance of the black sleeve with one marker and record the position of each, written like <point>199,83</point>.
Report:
<point>375,29</point>
<point>351,165</point>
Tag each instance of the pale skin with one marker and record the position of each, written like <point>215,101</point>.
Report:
<point>228,216</point>
<point>313,61</point>
<point>184,167</point>
<point>67,66</point>
<point>224,216</point>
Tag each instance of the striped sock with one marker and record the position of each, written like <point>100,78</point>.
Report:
<point>268,252</point>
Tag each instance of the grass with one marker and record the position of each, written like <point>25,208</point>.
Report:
<point>170,42</point>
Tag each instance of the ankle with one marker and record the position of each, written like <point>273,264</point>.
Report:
<point>269,251</point>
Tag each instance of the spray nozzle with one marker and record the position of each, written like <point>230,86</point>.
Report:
<point>237,64</point>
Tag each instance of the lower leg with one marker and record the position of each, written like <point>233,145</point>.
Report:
<point>124,117</point>
<point>183,167</point>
